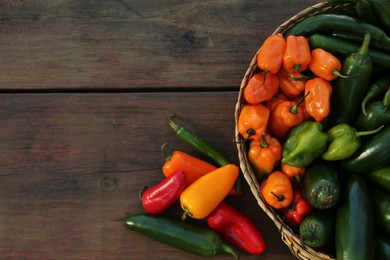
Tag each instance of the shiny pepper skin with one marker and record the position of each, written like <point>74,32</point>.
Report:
<point>297,55</point>
<point>297,210</point>
<point>277,190</point>
<point>253,121</point>
<point>324,64</point>
<point>270,55</point>
<point>317,102</point>
<point>290,82</point>
<point>261,87</point>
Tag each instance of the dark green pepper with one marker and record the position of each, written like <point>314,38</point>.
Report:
<point>351,90</point>
<point>382,247</point>
<point>354,238</point>
<point>305,143</point>
<point>382,10</point>
<point>377,114</point>
<point>194,239</point>
<point>344,141</point>
<point>380,177</point>
<point>321,185</point>
<point>317,229</point>
<point>374,154</point>
<point>365,12</point>
<point>381,206</point>
<point>375,89</point>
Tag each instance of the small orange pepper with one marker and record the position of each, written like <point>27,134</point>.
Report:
<point>270,55</point>
<point>200,198</point>
<point>291,87</point>
<point>297,55</point>
<point>317,101</point>
<point>181,161</point>
<point>261,87</point>
<point>252,121</point>
<point>324,64</point>
<point>277,190</point>
<point>275,100</point>
<point>264,155</point>
<point>293,173</point>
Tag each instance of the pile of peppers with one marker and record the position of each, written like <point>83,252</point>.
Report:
<point>200,186</point>
<point>316,123</point>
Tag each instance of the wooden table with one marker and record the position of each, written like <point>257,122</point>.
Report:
<point>86,88</point>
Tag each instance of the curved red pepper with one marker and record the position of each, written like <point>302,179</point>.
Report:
<point>237,228</point>
<point>298,209</point>
<point>160,197</point>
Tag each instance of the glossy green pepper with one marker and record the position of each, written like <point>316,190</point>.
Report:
<point>305,143</point>
<point>380,177</point>
<point>344,141</point>
<point>377,114</point>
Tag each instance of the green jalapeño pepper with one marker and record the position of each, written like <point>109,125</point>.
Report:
<point>305,143</point>
<point>377,114</point>
<point>344,141</point>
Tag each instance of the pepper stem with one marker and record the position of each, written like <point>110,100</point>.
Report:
<point>279,197</point>
<point>167,157</point>
<point>172,124</point>
<point>250,132</point>
<point>264,143</point>
<point>363,133</point>
<point>142,191</point>
<point>185,213</point>
<point>294,108</point>
<point>227,249</point>
<point>363,50</point>
<point>338,74</point>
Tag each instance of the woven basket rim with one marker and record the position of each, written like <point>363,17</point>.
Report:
<point>288,236</point>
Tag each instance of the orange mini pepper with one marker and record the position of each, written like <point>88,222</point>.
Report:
<point>289,86</point>
<point>297,55</point>
<point>275,100</point>
<point>181,161</point>
<point>317,101</point>
<point>285,116</point>
<point>252,121</point>
<point>200,198</point>
<point>264,155</point>
<point>261,87</point>
<point>293,173</point>
<point>277,190</point>
<point>324,64</point>
<point>270,55</point>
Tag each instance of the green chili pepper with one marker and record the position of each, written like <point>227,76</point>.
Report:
<point>386,98</point>
<point>305,143</point>
<point>203,147</point>
<point>381,205</point>
<point>351,90</point>
<point>194,239</point>
<point>380,177</point>
<point>377,114</point>
<point>382,10</point>
<point>344,141</point>
<point>366,13</point>
<point>376,89</point>
<point>382,246</point>
<point>350,37</point>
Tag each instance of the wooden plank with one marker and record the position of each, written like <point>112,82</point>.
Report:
<point>114,44</point>
<point>72,165</point>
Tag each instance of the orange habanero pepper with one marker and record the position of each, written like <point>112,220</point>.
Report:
<point>270,55</point>
<point>291,87</point>
<point>261,87</point>
<point>324,64</point>
<point>277,190</point>
<point>181,161</point>
<point>293,173</point>
<point>285,116</point>
<point>252,121</point>
<point>200,198</point>
<point>297,55</point>
<point>275,100</point>
<point>317,103</point>
<point>264,155</point>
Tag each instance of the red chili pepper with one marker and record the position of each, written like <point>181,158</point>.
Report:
<point>298,209</point>
<point>237,228</point>
<point>160,197</point>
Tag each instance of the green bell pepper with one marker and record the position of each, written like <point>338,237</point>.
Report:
<point>305,143</point>
<point>344,141</point>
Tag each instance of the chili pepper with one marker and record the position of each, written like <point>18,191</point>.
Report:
<point>380,177</point>
<point>376,115</point>
<point>374,154</point>
<point>324,64</point>
<point>298,209</point>
<point>297,55</point>
<point>293,173</point>
<point>203,147</point>
<point>365,12</point>
<point>386,98</point>
<point>193,167</point>
<point>261,87</point>
<point>354,237</point>
<point>343,48</point>
<point>306,115</point>
<point>382,246</point>
<point>317,104</point>
<point>286,115</point>
<point>264,155</point>
<point>344,141</point>
<point>277,190</point>
<point>270,55</point>
<point>323,23</point>
<point>185,236</point>
<point>288,83</point>
<point>237,228</point>
<point>204,195</point>
<point>276,99</point>
<point>349,91</point>
<point>353,38</point>
<point>321,185</point>
<point>375,89</point>
<point>252,121</point>
<point>161,196</point>
<point>305,143</point>
<point>381,205</point>
<point>382,10</point>
<point>317,229</point>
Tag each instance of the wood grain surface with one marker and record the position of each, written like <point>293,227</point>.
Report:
<point>85,91</point>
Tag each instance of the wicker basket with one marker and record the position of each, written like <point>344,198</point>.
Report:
<point>288,236</point>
